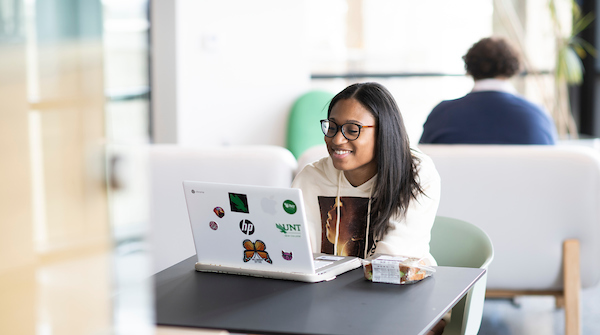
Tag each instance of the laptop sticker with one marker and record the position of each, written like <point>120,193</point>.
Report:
<point>247,227</point>
<point>286,255</point>
<point>256,251</point>
<point>238,203</point>
<point>289,229</point>
<point>213,225</point>
<point>219,211</point>
<point>289,207</point>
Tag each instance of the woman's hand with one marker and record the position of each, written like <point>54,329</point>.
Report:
<point>438,329</point>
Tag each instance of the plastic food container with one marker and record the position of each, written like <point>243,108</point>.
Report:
<point>395,269</point>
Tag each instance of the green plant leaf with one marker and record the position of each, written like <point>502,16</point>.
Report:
<point>582,23</point>
<point>569,66</point>
<point>575,9</point>
<point>587,46</point>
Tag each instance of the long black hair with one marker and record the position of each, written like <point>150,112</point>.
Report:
<point>397,168</point>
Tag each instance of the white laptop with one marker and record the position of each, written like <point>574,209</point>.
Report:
<point>257,231</point>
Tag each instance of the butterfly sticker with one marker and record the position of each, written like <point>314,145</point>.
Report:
<point>256,248</point>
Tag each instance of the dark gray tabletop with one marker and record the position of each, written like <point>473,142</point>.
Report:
<point>348,304</point>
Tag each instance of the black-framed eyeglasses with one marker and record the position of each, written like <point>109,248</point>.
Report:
<point>350,130</point>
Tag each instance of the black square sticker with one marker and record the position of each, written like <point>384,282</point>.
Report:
<point>238,203</point>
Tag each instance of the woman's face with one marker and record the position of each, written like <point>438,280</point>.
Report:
<point>356,158</point>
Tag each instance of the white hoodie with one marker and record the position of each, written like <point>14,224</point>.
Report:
<point>407,236</point>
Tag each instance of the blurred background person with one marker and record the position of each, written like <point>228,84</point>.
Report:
<point>493,112</point>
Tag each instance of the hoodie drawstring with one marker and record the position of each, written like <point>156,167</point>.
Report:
<point>368,222</point>
<point>337,219</point>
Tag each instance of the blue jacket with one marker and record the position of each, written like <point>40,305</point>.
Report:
<point>488,117</point>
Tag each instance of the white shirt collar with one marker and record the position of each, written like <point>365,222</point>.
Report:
<point>494,85</point>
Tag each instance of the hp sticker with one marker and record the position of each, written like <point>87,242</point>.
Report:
<point>247,227</point>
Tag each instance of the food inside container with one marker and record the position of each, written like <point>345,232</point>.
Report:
<point>395,269</point>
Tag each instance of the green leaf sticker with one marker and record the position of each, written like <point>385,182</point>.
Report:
<point>238,202</point>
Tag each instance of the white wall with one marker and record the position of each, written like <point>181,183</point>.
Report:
<point>163,72</point>
<point>239,65</point>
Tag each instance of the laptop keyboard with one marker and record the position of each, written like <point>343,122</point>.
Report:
<point>320,264</point>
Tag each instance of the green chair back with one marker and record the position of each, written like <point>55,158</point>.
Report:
<point>304,129</point>
<point>459,243</point>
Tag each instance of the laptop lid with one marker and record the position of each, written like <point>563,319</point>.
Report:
<point>249,227</point>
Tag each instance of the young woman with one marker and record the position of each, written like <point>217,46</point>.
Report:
<point>373,194</point>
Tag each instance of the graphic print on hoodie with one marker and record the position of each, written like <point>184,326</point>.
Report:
<point>353,223</point>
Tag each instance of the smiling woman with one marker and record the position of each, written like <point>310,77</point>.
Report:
<point>373,193</point>
<point>373,190</point>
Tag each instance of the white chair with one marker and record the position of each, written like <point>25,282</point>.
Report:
<point>170,233</point>
<point>541,207</point>
<point>459,243</point>
<point>586,142</point>
<point>311,154</point>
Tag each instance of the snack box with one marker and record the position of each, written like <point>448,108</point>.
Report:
<point>395,269</point>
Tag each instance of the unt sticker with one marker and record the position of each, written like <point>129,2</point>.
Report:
<point>238,203</point>
<point>289,207</point>
<point>256,251</point>
<point>286,255</point>
<point>247,227</point>
<point>219,211</point>
<point>289,229</point>
<point>213,225</point>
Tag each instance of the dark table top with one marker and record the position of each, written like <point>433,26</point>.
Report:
<point>348,304</point>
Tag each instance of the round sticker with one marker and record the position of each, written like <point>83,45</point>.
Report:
<point>247,227</point>
<point>219,211</point>
<point>289,206</point>
<point>213,225</point>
